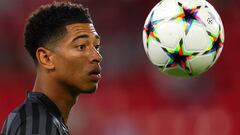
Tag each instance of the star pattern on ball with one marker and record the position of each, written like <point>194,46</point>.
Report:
<point>179,57</point>
<point>150,30</point>
<point>217,43</point>
<point>188,15</point>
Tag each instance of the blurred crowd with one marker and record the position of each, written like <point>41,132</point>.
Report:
<point>133,98</point>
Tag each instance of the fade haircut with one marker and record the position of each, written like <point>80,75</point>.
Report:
<point>47,24</point>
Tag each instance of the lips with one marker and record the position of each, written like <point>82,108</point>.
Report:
<point>95,74</point>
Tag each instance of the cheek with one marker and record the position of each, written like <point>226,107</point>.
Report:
<point>71,68</point>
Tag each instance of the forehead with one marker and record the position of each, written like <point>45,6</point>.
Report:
<point>77,28</point>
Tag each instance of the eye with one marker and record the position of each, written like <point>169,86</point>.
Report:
<point>81,47</point>
<point>98,47</point>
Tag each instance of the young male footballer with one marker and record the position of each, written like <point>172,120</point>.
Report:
<point>61,39</point>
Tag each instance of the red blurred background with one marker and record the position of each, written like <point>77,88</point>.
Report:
<point>133,98</point>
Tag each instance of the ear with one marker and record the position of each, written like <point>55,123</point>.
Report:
<point>44,57</point>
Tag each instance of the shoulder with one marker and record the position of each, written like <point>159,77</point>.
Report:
<point>13,121</point>
<point>29,118</point>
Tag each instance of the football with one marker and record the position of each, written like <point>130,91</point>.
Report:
<point>183,37</point>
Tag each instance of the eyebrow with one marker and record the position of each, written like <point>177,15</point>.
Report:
<point>81,36</point>
<point>84,36</point>
<point>97,36</point>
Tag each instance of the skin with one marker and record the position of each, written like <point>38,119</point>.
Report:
<point>69,66</point>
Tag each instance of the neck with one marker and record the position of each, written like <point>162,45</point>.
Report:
<point>62,97</point>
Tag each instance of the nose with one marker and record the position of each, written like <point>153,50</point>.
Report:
<point>96,57</point>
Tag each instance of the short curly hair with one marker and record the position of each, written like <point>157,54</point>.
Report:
<point>48,23</point>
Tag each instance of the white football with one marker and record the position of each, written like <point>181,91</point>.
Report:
<point>183,37</point>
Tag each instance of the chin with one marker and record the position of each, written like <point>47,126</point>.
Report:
<point>89,90</point>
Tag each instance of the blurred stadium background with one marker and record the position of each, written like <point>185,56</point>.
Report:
<point>133,98</point>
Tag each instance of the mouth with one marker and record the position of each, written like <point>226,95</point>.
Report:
<point>95,74</point>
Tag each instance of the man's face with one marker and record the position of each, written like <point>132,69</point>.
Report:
<point>77,58</point>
